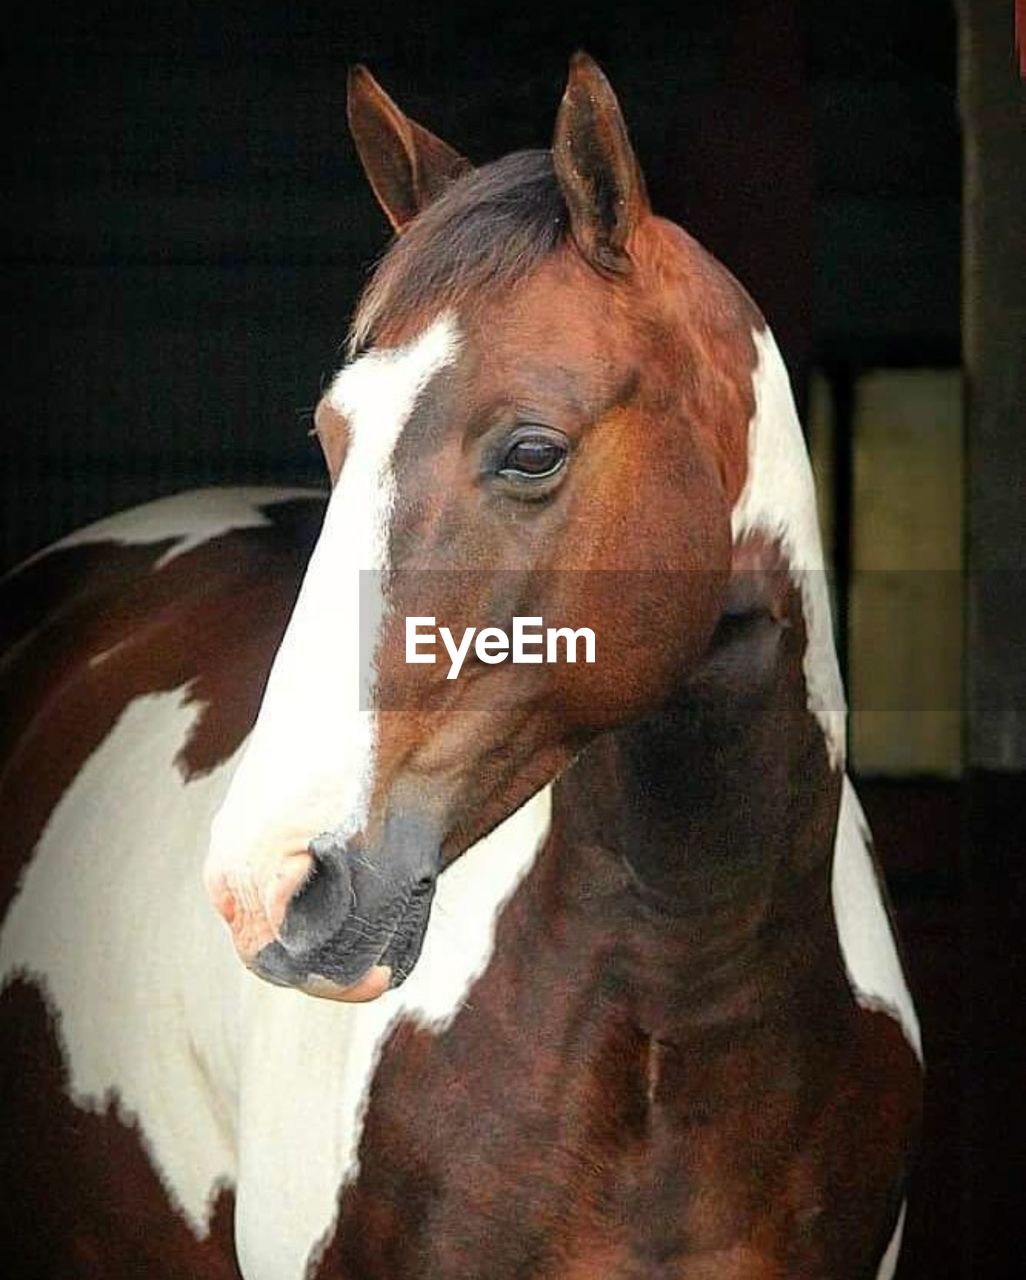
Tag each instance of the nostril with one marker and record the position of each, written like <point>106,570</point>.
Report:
<point>318,907</point>
<point>287,881</point>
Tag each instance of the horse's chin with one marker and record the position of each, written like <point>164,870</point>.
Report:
<point>374,983</point>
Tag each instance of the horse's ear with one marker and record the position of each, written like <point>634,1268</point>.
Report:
<point>406,165</point>
<point>596,167</point>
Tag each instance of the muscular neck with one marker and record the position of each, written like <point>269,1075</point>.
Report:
<point>721,808</point>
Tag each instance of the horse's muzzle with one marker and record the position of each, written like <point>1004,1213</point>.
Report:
<point>356,911</point>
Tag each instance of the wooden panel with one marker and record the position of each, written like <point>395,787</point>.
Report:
<point>905,643</point>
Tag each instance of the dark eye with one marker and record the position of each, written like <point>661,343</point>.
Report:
<point>534,456</point>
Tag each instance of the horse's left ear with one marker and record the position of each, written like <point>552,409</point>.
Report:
<point>406,165</point>
<point>596,167</point>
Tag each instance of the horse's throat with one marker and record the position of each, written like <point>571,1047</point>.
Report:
<point>722,805</point>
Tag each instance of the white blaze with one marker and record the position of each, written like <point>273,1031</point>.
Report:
<point>308,766</point>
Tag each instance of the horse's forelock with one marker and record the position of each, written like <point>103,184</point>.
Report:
<point>488,231</point>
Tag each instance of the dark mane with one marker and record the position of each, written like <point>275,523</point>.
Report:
<point>490,229</point>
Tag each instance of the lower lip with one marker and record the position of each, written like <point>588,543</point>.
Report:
<point>373,984</point>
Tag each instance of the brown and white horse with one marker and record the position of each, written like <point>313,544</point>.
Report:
<point>617,993</point>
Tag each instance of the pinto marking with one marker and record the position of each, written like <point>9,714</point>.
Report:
<point>889,1262</point>
<point>300,1146</point>
<point>189,519</point>
<point>298,1101</point>
<point>111,881</point>
<point>779,499</point>
<point>203,1056</point>
<point>863,927</point>
<point>309,765</point>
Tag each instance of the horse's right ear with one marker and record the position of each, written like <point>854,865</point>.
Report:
<point>406,165</point>
<point>597,171</point>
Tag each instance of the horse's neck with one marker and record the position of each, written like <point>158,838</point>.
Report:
<point>722,807</point>
<point>719,788</point>
<point>723,804</point>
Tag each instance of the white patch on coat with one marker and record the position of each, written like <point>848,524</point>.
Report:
<point>889,1262</point>
<point>231,1081</point>
<point>307,1065</point>
<point>309,764</point>
<point>779,500</point>
<point>111,922</point>
<point>863,926</point>
<point>190,518</point>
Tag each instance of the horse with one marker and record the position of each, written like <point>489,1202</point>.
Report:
<point>319,962</point>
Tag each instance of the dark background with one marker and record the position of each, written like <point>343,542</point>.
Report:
<point>186,228</point>
<point>187,225</point>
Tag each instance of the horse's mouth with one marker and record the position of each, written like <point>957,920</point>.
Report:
<point>404,949</point>
<point>340,966</point>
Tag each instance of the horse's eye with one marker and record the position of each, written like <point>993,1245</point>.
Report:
<point>534,457</point>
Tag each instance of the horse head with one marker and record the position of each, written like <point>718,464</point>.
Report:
<point>544,414</point>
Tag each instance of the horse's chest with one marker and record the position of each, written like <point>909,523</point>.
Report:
<point>499,1176</point>
<point>487,1150</point>
<point>515,1158</point>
